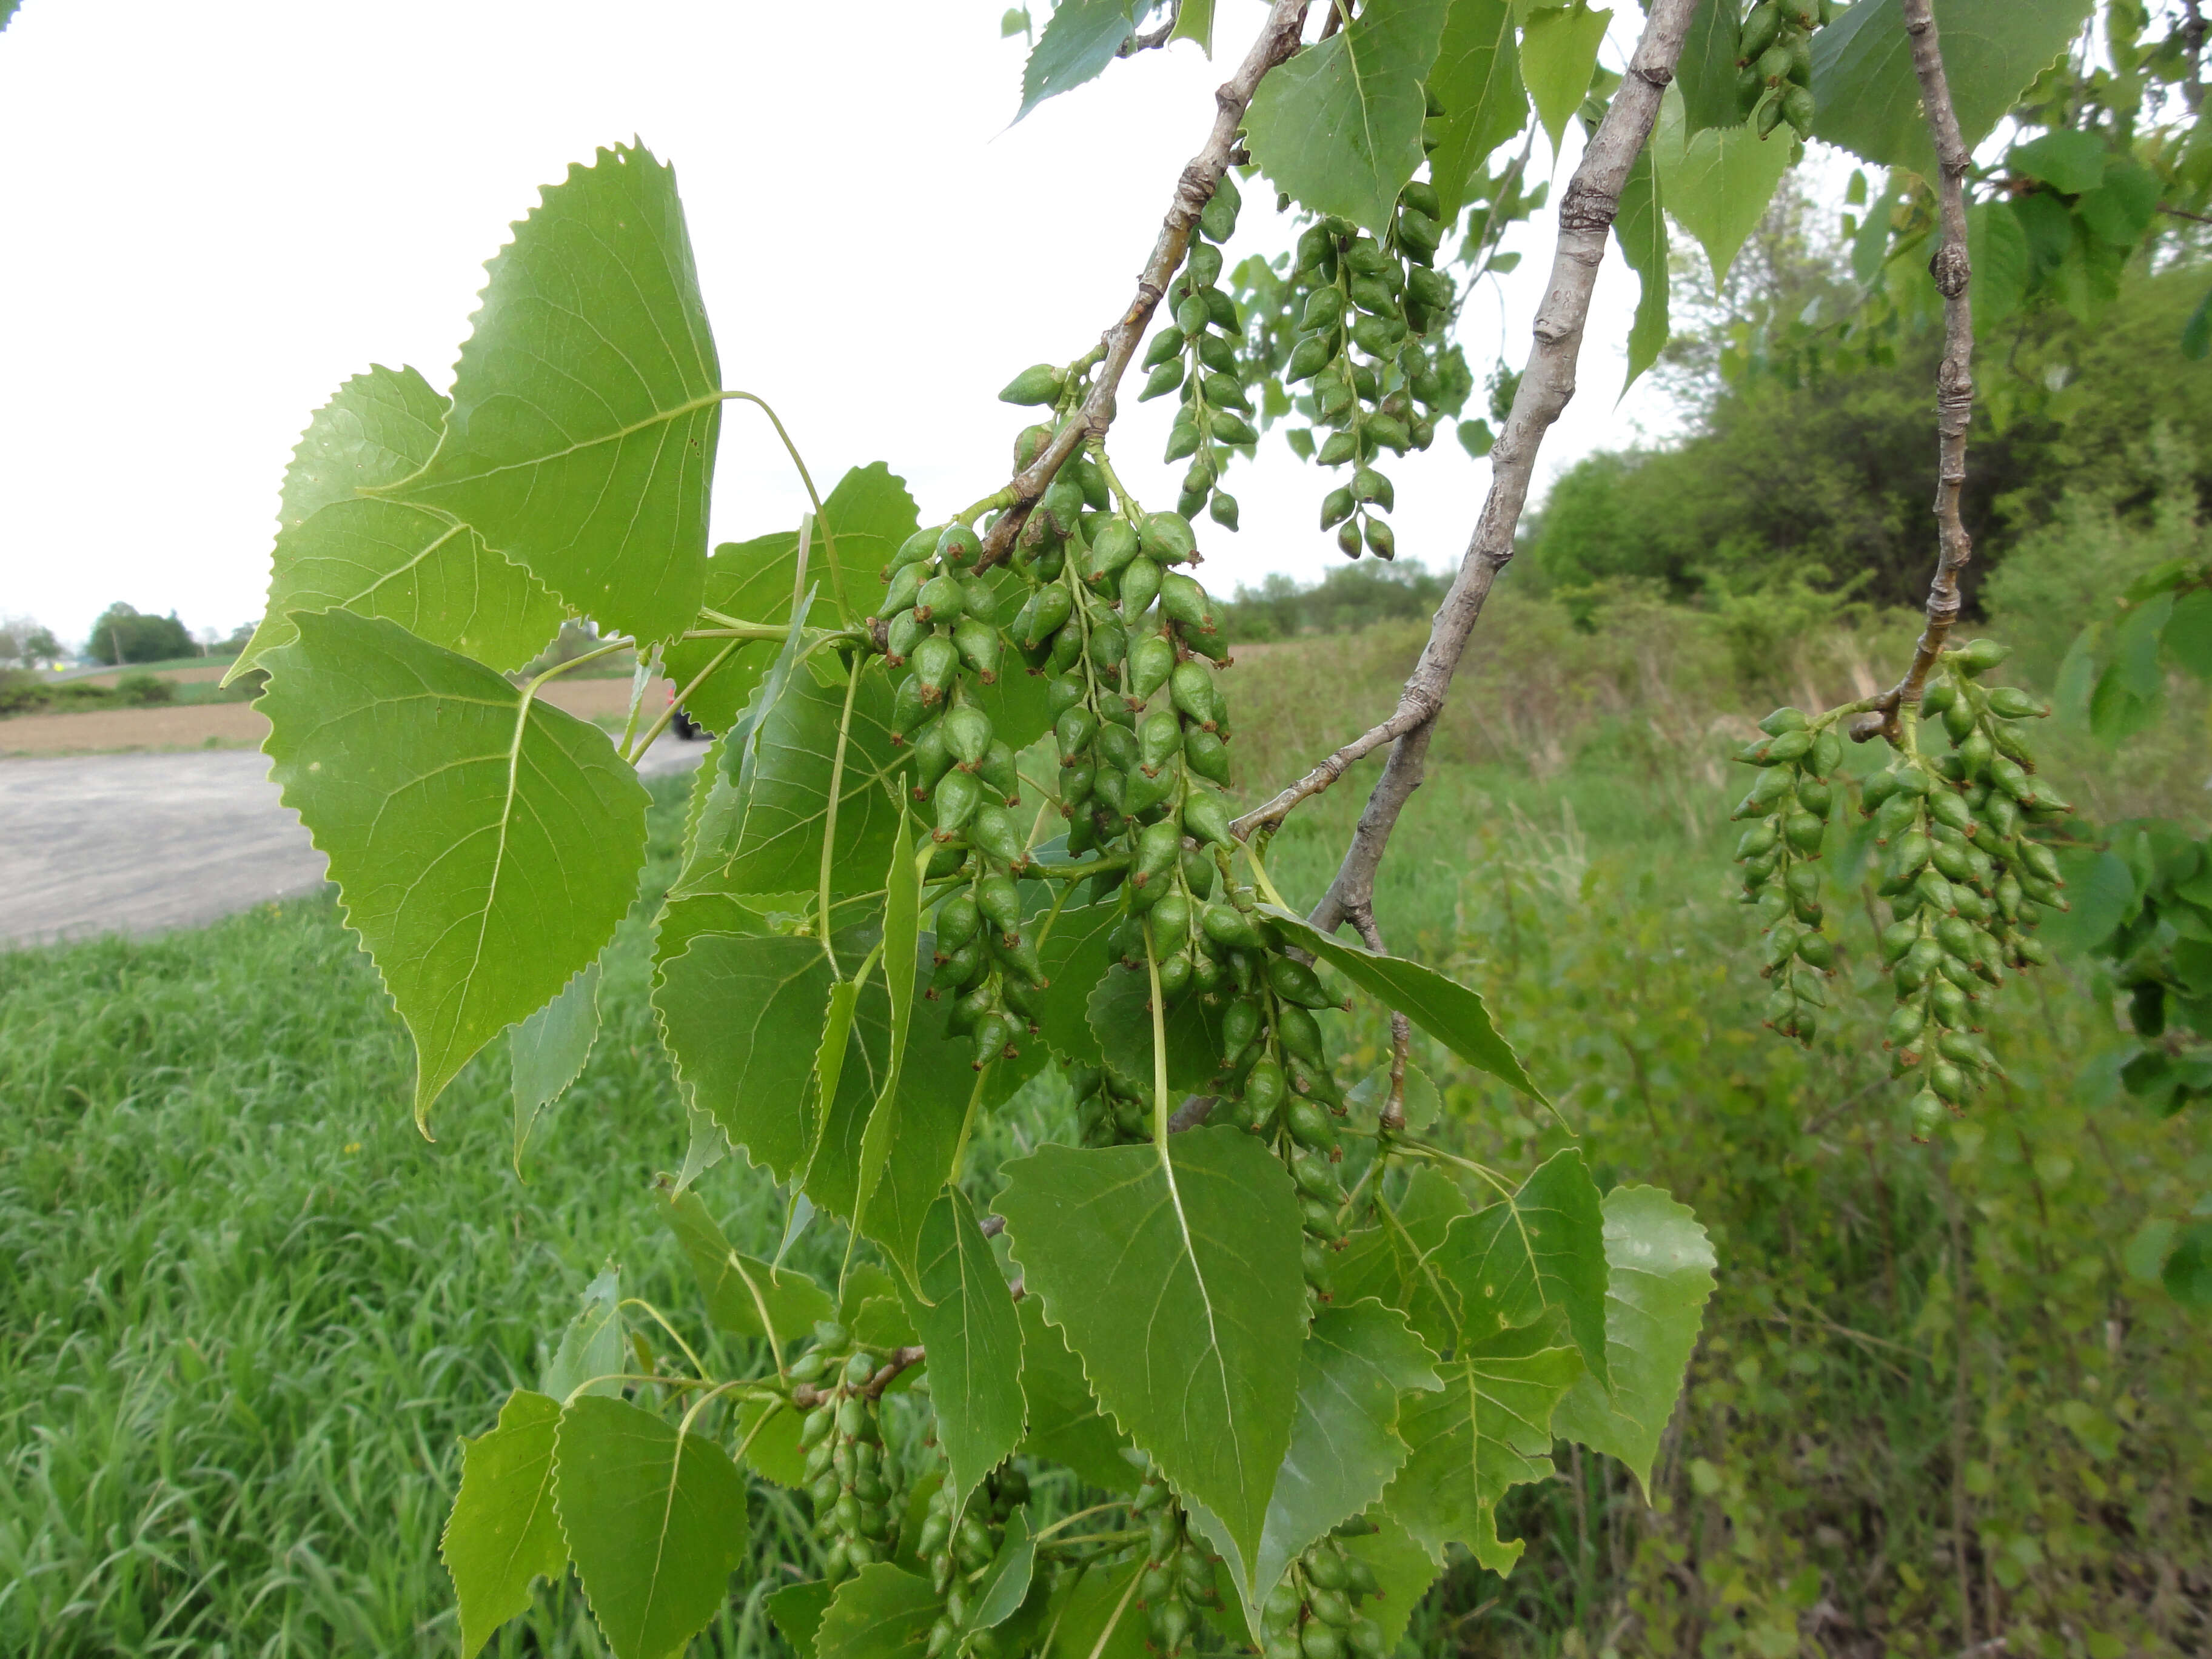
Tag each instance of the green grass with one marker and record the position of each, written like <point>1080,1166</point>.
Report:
<point>247,1311</point>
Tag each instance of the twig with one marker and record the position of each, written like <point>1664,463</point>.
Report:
<point>1193,1111</point>
<point>1158,37</point>
<point>1278,39</point>
<point>1955,378</point>
<point>1586,214</point>
<point>1413,709</point>
<point>805,1396</point>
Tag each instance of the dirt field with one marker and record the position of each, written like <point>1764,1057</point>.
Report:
<point>213,671</point>
<point>237,725</point>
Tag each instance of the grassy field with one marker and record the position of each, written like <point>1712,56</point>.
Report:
<point>247,1310</point>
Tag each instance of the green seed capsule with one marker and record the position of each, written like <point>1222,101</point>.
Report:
<point>1206,756</point>
<point>1159,738</point>
<point>956,796</point>
<point>1164,378</point>
<point>1140,586</point>
<point>1264,1088</point>
<point>1300,1035</point>
<point>967,732</point>
<point>1206,816</point>
<point>1184,602</point>
<point>959,918</point>
<point>1309,1123</point>
<point>1151,659</point>
<point>1758,839</point>
<point>1293,982</point>
<point>994,830</point>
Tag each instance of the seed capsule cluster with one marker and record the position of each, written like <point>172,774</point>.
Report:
<point>851,1482</point>
<point>1178,1576</point>
<point>1774,64</point>
<point>1788,805</point>
<point>1313,1614</point>
<point>1364,307</point>
<point>1196,355</point>
<point>958,1549</point>
<point>1965,882</point>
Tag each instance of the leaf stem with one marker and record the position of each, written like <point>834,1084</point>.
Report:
<point>652,733</point>
<point>675,1335</point>
<point>829,535</point>
<point>1159,1049</point>
<point>1070,1520</point>
<point>829,813</point>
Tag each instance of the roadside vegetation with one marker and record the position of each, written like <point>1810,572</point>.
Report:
<point>251,1310</point>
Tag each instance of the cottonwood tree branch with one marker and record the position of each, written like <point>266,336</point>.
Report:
<point>1954,379</point>
<point>1586,214</point>
<point>1277,40</point>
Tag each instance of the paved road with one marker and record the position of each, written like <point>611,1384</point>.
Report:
<point>142,843</point>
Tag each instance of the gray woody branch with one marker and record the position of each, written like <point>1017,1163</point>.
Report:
<point>1586,214</point>
<point>1277,40</point>
<point>1954,379</point>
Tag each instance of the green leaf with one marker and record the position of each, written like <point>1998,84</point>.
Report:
<point>1064,1423</point>
<point>1119,1014</point>
<point>2189,632</point>
<point>882,1612</point>
<point>1194,21</point>
<point>902,934</point>
<point>761,830</point>
<point>1997,249</point>
<point>1869,98</point>
<point>2197,333</point>
<point>2070,162</point>
<point>1100,1617</point>
<point>965,1318</point>
<point>936,1086</point>
<point>1477,78</point>
<point>378,428</point>
<point>829,1070</point>
<point>1489,1428</point>
<point>740,1015</point>
<point>739,1287</point>
<point>1075,947</point>
<point>1641,230</point>
<point>591,1346</point>
<point>771,1446</point>
<point>998,1594</point>
<point>1167,1275</point>
<point>1717,183</point>
<point>1339,126</point>
<point>1403,1570</point>
<point>2119,212</point>
<point>2187,1274</point>
<point>1662,1273</point>
<point>1542,1250</point>
<point>868,514</point>
<point>1396,1262</point>
<point>1706,72</point>
<point>485,843</point>
<point>502,1533</point>
<point>1358,1360</point>
<point>588,401</point>
<point>1080,38</point>
<point>547,1051</point>
<point>1559,51</point>
<point>797,1610</point>
<point>1446,1010</point>
<point>655,1523</point>
<point>433,576</point>
<point>751,581</point>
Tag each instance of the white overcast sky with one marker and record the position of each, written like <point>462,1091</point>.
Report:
<point>215,212</point>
